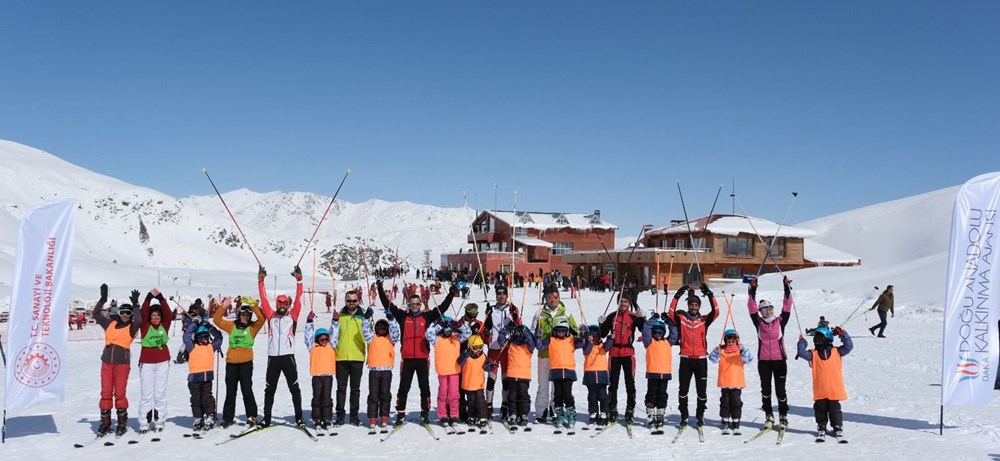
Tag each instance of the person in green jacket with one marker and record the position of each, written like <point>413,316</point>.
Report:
<point>552,311</point>
<point>351,348</point>
<point>884,304</point>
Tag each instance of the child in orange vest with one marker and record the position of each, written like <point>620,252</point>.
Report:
<point>828,377</point>
<point>562,372</point>
<point>658,335</point>
<point>731,355</point>
<point>381,358</point>
<point>202,341</point>
<point>596,376</point>
<point>322,346</point>
<point>447,347</point>
<point>520,348</point>
<point>473,382</point>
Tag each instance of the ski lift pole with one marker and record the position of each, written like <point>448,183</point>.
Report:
<point>320,223</point>
<point>203,170</point>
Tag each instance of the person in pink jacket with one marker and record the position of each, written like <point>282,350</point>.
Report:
<point>772,361</point>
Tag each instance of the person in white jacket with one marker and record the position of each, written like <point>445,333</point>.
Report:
<point>281,324</point>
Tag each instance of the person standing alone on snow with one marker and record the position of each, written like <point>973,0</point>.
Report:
<point>281,324</point>
<point>884,304</point>
<point>119,332</point>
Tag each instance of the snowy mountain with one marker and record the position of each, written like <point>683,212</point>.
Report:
<point>131,227</point>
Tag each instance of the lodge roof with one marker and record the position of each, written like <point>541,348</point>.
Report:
<point>732,225</point>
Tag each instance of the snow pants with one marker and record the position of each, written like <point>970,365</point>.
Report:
<point>656,393</point>
<point>731,403</point>
<point>379,393</point>
<point>322,398</point>
<point>828,410</point>
<point>617,365</point>
<point>349,370</point>
<point>698,368</point>
<point>153,382</point>
<point>239,374</point>
<point>114,378</point>
<point>276,366</point>
<point>202,400</point>
<point>778,369</point>
<point>407,370</point>
<point>597,399</point>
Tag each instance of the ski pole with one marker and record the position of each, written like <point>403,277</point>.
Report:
<point>670,273</point>
<point>862,303</point>
<point>368,285</point>
<point>635,245</point>
<point>320,223</point>
<point>767,253</point>
<point>203,170</point>
<point>688,222</point>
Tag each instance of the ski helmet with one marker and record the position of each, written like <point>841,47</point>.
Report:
<point>731,334</point>
<point>283,299</point>
<point>475,341</point>
<point>764,304</point>
<point>658,328</point>
<point>595,329</point>
<point>202,333</point>
<point>561,329</point>
<point>125,309</point>
<point>382,327</point>
<point>321,332</point>
<point>823,334</point>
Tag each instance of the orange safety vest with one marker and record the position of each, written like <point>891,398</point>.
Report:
<point>381,353</point>
<point>519,361</point>
<point>659,357</point>
<point>322,360</point>
<point>473,375</point>
<point>200,359</point>
<point>446,351</point>
<point>119,336</point>
<point>828,377</point>
<point>561,355</point>
<point>731,369</point>
<point>597,360</point>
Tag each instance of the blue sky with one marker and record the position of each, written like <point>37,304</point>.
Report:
<point>578,105</point>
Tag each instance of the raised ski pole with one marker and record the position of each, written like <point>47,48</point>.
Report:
<point>320,223</point>
<point>862,303</point>
<point>203,170</point>
<point>773,239</point>
<point>688,222</point>
<point>475,246</point>
<point>768,253</point>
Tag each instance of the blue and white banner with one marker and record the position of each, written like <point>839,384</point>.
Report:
<point>971,346</point>
<point>39,306</point>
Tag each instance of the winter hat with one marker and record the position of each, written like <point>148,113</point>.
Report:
<point>156,308</point>
<point>282,298</point>
<point>125,309</point>
<point>693,298</point>
<point>731,333</point>
<point>501,290</point>
<point>764,304</point>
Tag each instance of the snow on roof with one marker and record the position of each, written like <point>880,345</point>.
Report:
<point>533,242</point>
<point>822,254</point>
<point>734,225</point>
<point>545,220</point>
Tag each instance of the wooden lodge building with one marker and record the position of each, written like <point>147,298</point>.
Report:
<point>530,241</point>
<point>726,247</point>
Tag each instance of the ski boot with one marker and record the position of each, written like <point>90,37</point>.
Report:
<point>424,419</point>
<point>299,422</point>
<point>569,417</point>
<point>726,428</point>
<point>783,421</point>
<point>209,422</point>
<point>734,426</point>
<point>105,427</point>
<point>122,426</point>
<point>400,419</point>
<point>355,421</point>
<point>629,417</point>
<point>339,421</point>
<point>199,425</point>
<point>591,422</point>
<point>769,421</point>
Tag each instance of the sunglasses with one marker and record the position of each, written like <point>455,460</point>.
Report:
<point>413,304</point>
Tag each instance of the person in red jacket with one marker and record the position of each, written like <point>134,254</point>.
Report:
<point>119,332</point>
<point>694,348</point>
<point>414,349</point>
<point>622,325</point>
<point>154,360</point>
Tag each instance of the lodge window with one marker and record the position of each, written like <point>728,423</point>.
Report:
<point>521,232</point>
<point>732,273</point>
<point>559,248</point>
<point>778,249</point>
<point>737,246</point>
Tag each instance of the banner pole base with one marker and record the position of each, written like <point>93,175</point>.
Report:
<point>941,422</point>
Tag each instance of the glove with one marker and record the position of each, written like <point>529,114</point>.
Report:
<point>378,283</point>
<point>788,287</point>
<point>680,291</point>
<point>297,273</point>
<point>601,319</point>
<point>134,298</point>
<point>489,367</point>
<point>336,316</point>
<point>388,315</point>
<point>369,313</point>
<point>261,273</point>
<point>310,317</point>
<point>452,291</point>
<point>753,282</point>
<point>654,316</point>
<point>704,290</point>
<point>838,331</point>
<point>585,332</point>
<point>104,291</point>
<point>196,320</point>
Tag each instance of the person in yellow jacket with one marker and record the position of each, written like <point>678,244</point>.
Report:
<point>731,355</point>
<point>475,366</point>
<point>239,356</point>
<point>322,346</point>
<point>381,359</point>
<point>828,377</point>
<point>202,342</point>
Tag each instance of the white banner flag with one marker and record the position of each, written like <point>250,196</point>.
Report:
<point>971,345</point>
<point>39,306</point>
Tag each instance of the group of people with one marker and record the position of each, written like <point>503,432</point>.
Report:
<point>469,357</point>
